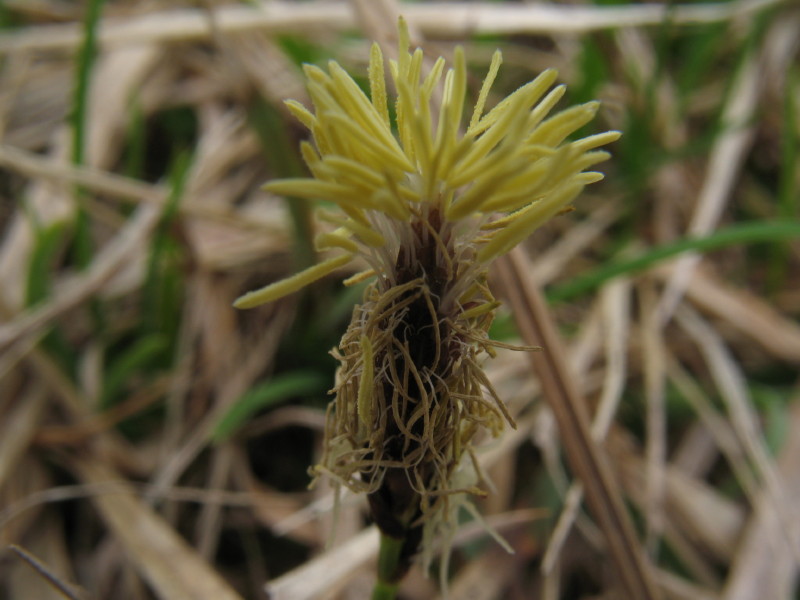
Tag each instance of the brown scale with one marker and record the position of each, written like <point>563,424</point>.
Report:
<point>395,506</point>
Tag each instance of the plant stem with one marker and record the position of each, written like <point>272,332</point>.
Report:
<point>384,591</point>
<point>388,565</point>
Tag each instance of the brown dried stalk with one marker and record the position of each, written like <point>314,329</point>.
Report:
<point>587,459</point>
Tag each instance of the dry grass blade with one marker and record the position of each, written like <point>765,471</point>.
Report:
<point>615,306</point>
<point>733,390</point>
<point>457,18</point>
<point>485,578</point>
<point>677,588</point>
<point>742,310</point>
<point>434,18</point>
<point>586,458</point>
<point>713,521</point>
<point>115,186</point>
<point>730,381</point>
<point>236,382</point>
<point>84,286</point>
<point>22,424</point>
<point>655,392</point>
<point>326,571</point>
<point>765,565</point>
<point>172,567</point>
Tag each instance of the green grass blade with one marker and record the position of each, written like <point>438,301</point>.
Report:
<point>82,243</point>
<point>134,157</point>
<point>277,390</point>
<point>48,245</point>
<point>747,233</point>
<point>141,354</point>
<point>163,282</point>
<point>85,58</point>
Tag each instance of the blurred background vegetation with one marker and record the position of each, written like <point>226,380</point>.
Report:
<point>155,443</point>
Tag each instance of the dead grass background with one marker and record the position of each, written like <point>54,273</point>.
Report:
<point>154,442</point>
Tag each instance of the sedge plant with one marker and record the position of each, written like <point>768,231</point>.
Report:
<point>426,201</point>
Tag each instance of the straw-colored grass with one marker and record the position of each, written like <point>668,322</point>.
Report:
<point>154,442</point>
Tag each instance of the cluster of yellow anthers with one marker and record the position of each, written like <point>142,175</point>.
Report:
<point>427,206</point>
<point>506,175</point>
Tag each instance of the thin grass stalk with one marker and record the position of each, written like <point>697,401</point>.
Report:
<point>586,458</point>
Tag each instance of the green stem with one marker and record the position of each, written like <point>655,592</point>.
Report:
<point>388,564</point>
<point>384,591</point>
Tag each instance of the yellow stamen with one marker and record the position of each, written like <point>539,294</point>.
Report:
<point>494,67</point>
<point>359,277</point>
<point>377,84</point>
<point>477,311</point>
<point>521,223</point>
<point>284,287</point>
<point>366,234</point>
<point>301,113</point>
<point>335,239</point>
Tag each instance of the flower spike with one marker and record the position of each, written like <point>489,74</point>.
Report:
<point>427,204</point>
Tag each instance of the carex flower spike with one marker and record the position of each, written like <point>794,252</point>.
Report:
<point>427,204</point>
